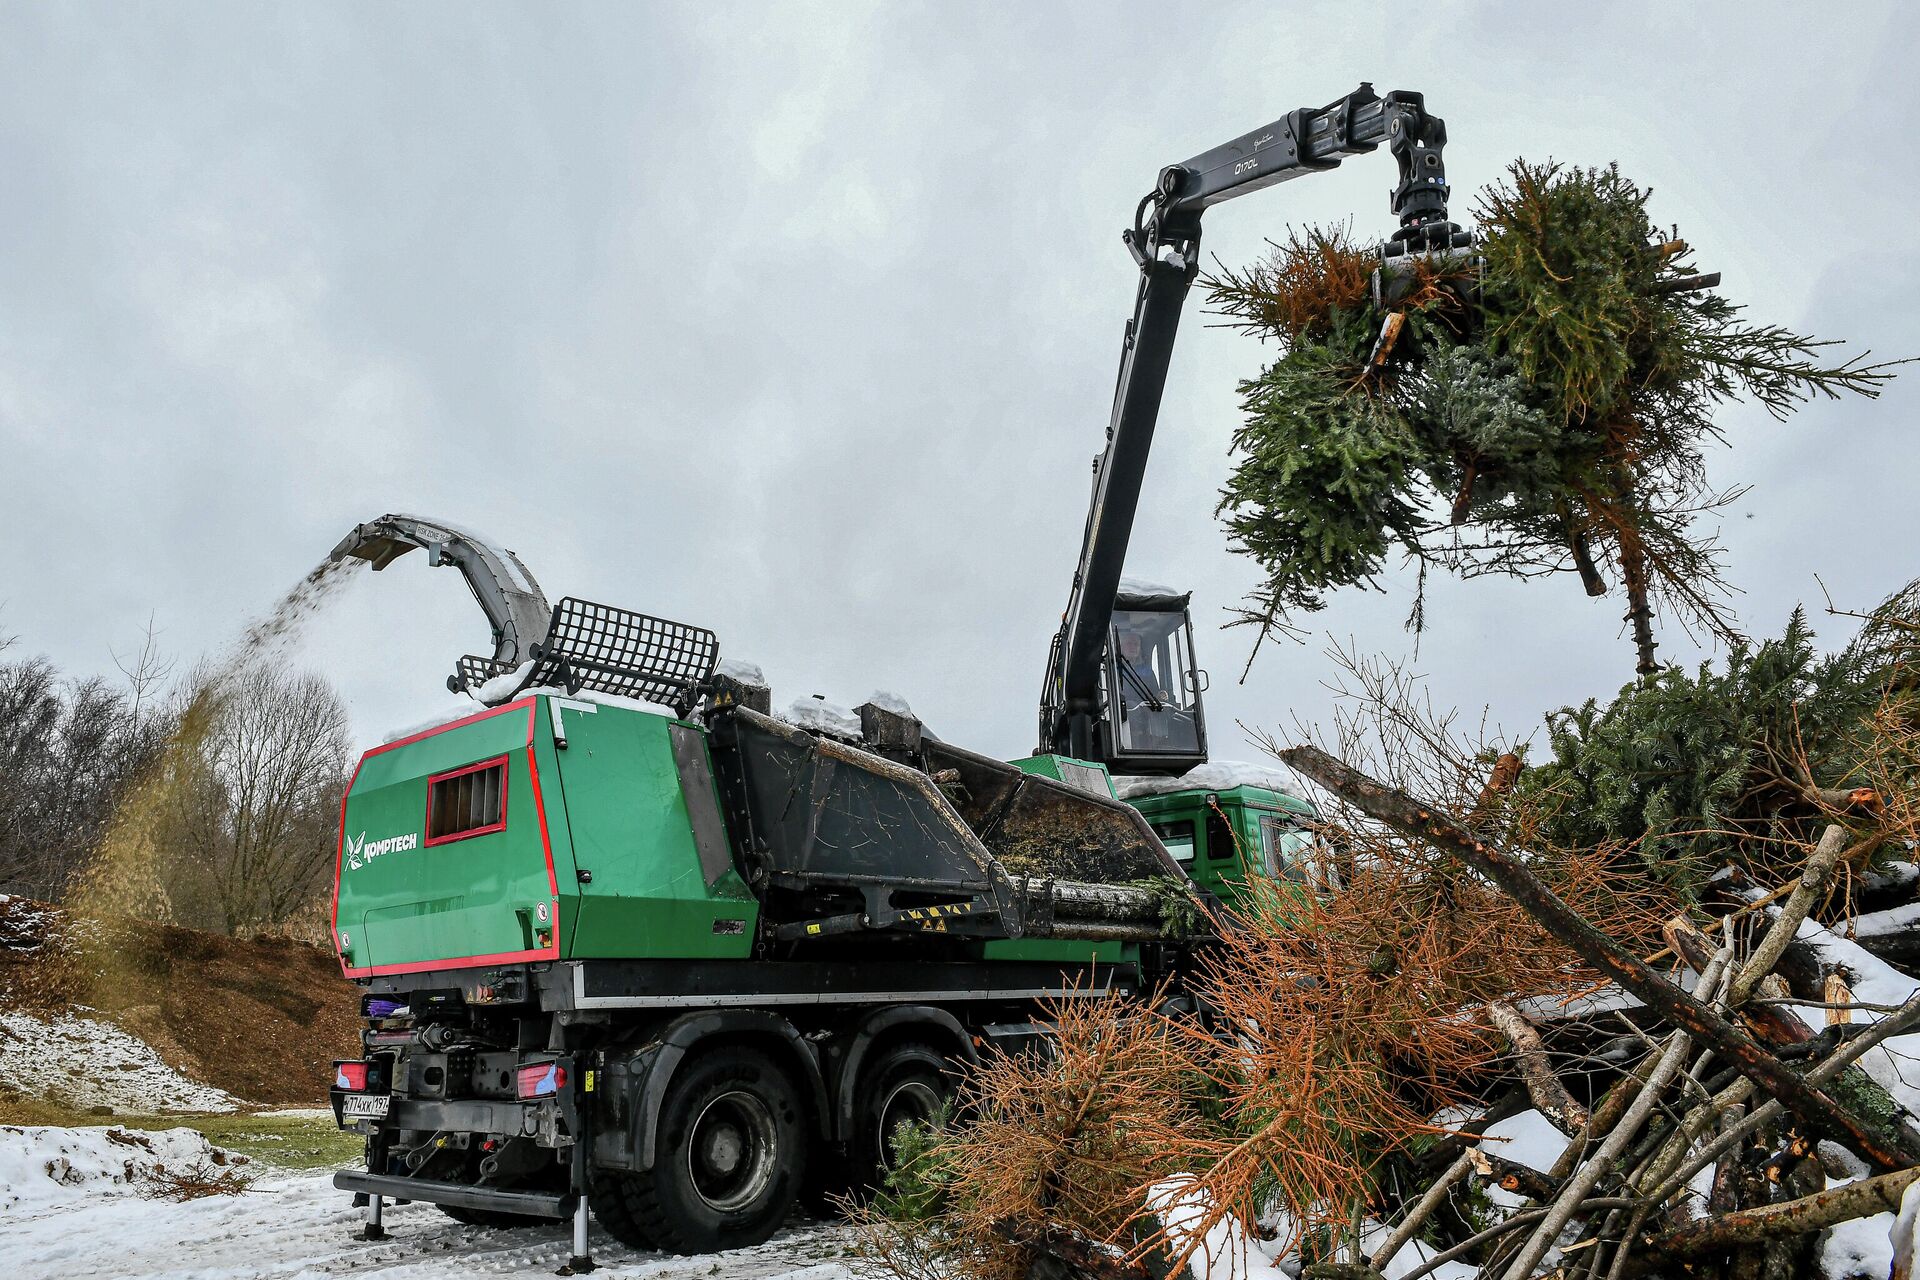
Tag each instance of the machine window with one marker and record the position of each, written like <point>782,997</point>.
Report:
<point>1178,837</point>
<point>1156,703</point>
<point>471,801</point>
<point>1290,852</point>
<point>1221,845</point>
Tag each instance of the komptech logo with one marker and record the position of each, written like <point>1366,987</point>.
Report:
<point>360,853</point>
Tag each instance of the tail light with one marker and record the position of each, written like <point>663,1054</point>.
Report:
<point>351,1076</point>
<point>541,1080</point>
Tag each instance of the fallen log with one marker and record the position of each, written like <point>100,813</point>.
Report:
<point>1901,950</point>
<point>1779,1027</point>
<point>1606,1113</point>
<point>1417,821</point>
<point>1816,1212</point>
<point>1584,1179</point>
<point>1524,1218</point>
<point>1843,1057</point>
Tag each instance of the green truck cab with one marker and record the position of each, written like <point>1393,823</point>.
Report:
<point>1221,824</point>
<point>1222,837</point>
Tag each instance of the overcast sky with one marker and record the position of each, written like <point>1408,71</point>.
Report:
<point>800,322</point>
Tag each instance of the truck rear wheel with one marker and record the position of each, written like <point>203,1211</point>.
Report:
<point>906,1084</point>
<point>727,1164</point>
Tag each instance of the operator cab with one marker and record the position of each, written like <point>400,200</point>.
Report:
<point>1155,723</point>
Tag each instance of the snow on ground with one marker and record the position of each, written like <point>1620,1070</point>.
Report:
<point>1858,1248</point>
<point>91,1064</point>
<point>1229,1252</point>
<point>1864,1247</point>
<point>299,1226</point>
<point>43,1168</point>
<point>1528,1139</point>
<point>22,928</point>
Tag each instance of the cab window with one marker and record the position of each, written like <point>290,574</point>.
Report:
<point>1288,852</point>
<point>1221,843</point>
<point>1178,837</point>
<point>1156,704</point>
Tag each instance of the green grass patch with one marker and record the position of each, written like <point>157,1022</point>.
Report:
<point>276,1139</point>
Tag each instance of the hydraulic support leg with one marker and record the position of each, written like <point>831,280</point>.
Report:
<point>374,1230</point>
<point>581,1262</point>
<point>579,1114</point>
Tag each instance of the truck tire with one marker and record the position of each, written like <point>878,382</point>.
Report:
<point>727,1164</point>
<point>907,1082</point>
<point>612,1204</point>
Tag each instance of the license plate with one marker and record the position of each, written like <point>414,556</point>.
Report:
<point>365,1106</point>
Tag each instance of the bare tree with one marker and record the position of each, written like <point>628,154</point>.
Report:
<point>70,752</point>
<point>147,671</point>
<point>254,796</point>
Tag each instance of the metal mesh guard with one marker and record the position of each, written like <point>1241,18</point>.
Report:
<point>472,671</point>
<point>628,654</point>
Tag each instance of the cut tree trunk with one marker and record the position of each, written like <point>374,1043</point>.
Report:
<point>1901,950</point>
<point>1780,1028</point>
<point>1633,574</point>
<point>1812,888</point>
<point>1506,771</point>
<point>1511,1175</point>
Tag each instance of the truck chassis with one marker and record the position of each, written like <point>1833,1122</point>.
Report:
<point>690,1104</point>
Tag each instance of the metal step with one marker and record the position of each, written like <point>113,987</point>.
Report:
<point>535,1204</point>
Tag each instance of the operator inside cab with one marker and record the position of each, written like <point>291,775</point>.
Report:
<point>1152,690</point>
<point>1140,682</point>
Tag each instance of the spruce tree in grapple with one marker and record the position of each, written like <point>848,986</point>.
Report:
<point>1549,415</point>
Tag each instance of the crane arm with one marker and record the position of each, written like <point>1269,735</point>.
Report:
<point>1165,242</point>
